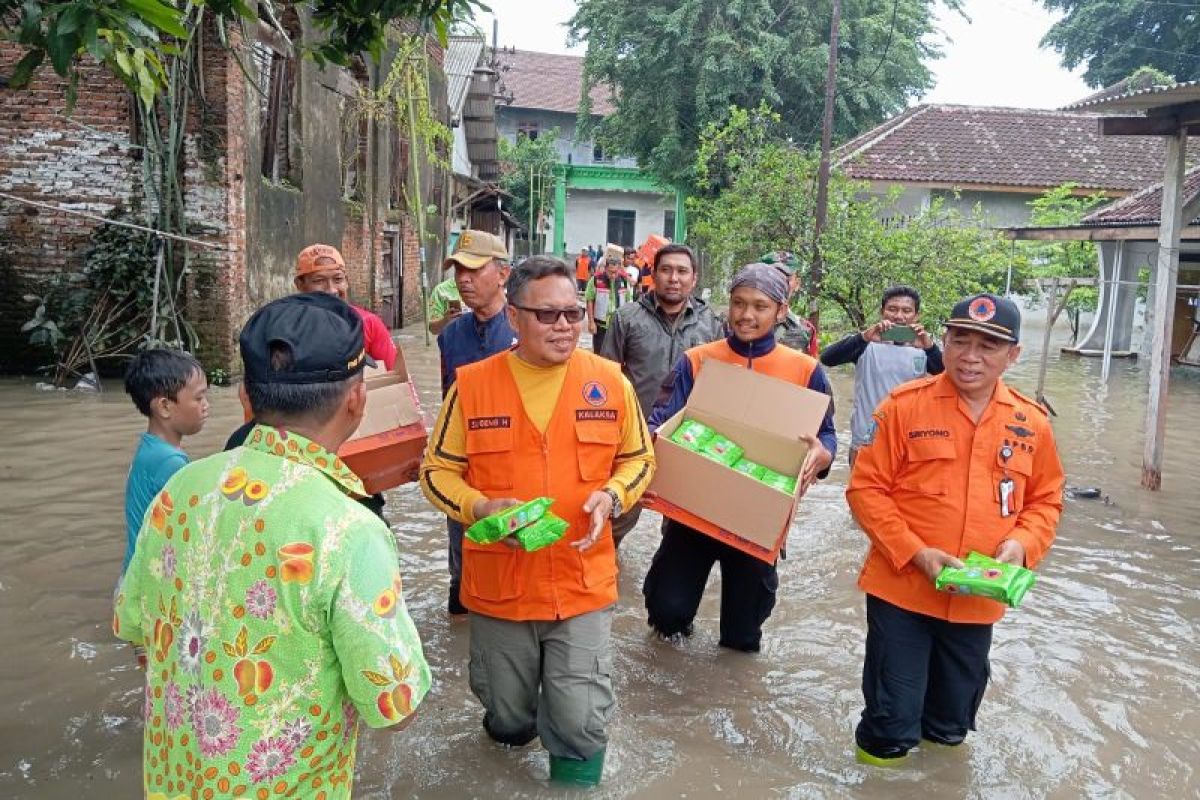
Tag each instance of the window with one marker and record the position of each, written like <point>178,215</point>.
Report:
<point>528,129</point>
<point>620,227</point>
<point>669,224</point>
<point>598,155</point>
<point>276,75</point>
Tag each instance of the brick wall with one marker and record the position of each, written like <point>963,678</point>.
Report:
<point>83,163</point>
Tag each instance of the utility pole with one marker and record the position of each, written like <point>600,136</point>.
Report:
<point>823,170</point>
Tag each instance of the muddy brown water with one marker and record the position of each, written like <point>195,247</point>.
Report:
<point>1095,680</point>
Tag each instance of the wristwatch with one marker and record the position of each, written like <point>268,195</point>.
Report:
<point>616,502</point>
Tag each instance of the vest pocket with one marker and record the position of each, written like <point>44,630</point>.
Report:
<point>598,565</point>
<point>597,448</point>
<point>929,465</point>
<point>492,573</point>
<point>490,458</point>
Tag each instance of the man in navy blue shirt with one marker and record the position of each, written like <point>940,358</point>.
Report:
<point>480,272</point>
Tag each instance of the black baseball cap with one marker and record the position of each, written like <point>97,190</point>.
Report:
<point>988,313</point>
<point>324,334</point>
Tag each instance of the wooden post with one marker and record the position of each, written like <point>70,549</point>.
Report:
<point>1166,275</point>
<point>1054,307</point>
<point>1110,301</point>
<point>822,200</point>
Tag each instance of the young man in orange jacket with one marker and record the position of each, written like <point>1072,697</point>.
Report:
<point>542,420</point>
<point>675,582</point>
<point>954,463</point>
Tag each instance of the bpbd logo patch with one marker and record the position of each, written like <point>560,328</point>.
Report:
<point>594,393</point>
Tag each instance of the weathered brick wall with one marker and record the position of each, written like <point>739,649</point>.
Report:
<point>83,162</point>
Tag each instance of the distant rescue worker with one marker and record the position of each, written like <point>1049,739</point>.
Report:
<point>675,583</point>
<point>445,305</point>
<point>270,603</point>
<point>793,330</point>
<point>647,337</point>
<point>583,268</point>
<point>544,420</point>
<point>882,360</point>
<point>608,290</point>
<point>954,463</point>
<point>633,270</point>
<point>480,273</point>
<point>321,268</point>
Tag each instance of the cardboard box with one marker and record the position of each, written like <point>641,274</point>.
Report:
<point>386,449</point>
<point>764,415</point>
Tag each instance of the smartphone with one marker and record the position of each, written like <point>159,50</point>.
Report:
<point>455,305</point>
<point>899,333</point>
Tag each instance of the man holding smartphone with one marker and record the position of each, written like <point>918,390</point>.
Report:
<point>892,351</point>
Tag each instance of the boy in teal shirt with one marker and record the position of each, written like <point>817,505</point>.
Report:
<point>170,388</point>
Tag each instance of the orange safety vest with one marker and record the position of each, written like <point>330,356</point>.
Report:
<point>782,362</point>
<point>508,457</point>
<point>583,268</point>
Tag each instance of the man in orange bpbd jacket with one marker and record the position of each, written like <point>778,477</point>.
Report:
<point>954,463</point>
<point>542,420</point>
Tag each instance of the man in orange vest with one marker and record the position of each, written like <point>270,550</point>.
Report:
<point>542,420</point>
<point>583,269</point>
<point>675,583</point>
<point>953,463</point>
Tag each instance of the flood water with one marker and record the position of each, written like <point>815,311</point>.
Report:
<point>1095,680</point>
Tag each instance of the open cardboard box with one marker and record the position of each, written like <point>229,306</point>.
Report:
<point>386,449</point>
<point>764,415</point>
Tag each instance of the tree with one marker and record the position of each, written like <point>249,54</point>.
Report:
<point>527,173</point>
<point>132,38</point>
<point>767,203</point>
<point>1112,38</point>
<point>1059,207</point>
<point>676,66</point>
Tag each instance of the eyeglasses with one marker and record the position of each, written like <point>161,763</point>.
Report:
<point>549,316</point>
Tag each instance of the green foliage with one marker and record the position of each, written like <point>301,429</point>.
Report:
<point>526,172</point>
<point>677,65</point>
<point>1060,207</point>
<point>132,38</point>
<point>766,202</point>
<point>104,312</point>
<point>1113,38</point>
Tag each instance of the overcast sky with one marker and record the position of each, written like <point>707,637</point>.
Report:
<point>993,59</point>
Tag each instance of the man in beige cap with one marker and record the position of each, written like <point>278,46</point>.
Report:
<point>321,268</point>
<point>480,272</point>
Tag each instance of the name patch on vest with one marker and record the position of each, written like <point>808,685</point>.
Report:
<point>933,433</point>
<point>603,414</point>
<point>487,423</point>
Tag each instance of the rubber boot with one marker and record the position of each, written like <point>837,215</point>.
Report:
<point>863,757</point>
<point>580,773</point>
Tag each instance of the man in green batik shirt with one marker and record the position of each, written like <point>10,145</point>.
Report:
<point>268,600</point>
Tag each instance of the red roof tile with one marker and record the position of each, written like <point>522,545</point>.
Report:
<point>549,82</point>
<point>1144,207</point>
<point>970,145</point>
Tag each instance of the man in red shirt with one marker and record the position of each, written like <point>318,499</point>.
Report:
<point>321,268</point>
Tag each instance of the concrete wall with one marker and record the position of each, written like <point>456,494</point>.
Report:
<point>508,119</point>
<point>1001,209</point>
<point>587,215</point>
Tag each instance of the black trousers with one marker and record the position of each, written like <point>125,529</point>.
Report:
<point>598,338</point>
<point>679,571</point>
<point>923,678</point>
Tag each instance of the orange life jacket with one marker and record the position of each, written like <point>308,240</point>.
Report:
<point>508,457</point>
<point>782,362</point>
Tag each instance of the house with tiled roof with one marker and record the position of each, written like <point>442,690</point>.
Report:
<point>599,198</point>
<point>998,158</point>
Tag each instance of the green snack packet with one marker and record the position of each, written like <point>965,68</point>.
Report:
<point>692,434</point>
<point>777,480</point>
<point>748,467</point>
<point>546,531</point>
<point>982,576</point>
<point>490,530</point>
<point>722,450</point>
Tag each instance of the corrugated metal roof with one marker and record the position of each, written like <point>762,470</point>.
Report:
<point>462,56</point>
<point>1142,99</point>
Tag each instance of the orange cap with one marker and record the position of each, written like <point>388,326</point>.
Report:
<point>307,261</point>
